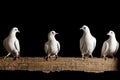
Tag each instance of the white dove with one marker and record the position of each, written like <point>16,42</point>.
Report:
<point>52,46</point>
<point>110,46</point>
<point>87,42</point>
<point>11,44</point>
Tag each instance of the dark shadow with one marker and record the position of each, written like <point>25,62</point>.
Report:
<point>118,64</point>
<point>64,75</point>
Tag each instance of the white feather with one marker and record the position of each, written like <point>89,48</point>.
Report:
<point>11,43</point>
<point>52,46</point>
<point>110,46</point>
<point>87,42</point>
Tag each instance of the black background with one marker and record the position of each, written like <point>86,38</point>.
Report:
<point>34,25</point>
<point>35,21</point>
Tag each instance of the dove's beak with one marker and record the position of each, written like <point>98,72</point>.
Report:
<point>56,33</point>
<point>18,31</point>
<point>108,33</point>
<point>81,28</point>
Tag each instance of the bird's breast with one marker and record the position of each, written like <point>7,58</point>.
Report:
<point>53,46</point>
<point>112,46</point>
<point>89,40</point>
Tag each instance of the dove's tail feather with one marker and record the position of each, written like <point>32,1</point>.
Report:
<point>15,53</point>
<point>7,55</point>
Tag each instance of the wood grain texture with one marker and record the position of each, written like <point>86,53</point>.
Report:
<point>96,65</point>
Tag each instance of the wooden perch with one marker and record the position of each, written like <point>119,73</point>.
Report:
<point>61,64</point>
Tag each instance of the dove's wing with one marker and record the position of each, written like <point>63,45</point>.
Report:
<point>46,46</point>
<point>58,46</point>
<point>117,47</point>
<point>94,43</point>
<point>4,42</point>
<point>82,44</point>
<point>104,47</point>
<point>17,45</point>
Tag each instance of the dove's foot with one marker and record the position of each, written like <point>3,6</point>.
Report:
<point>105,58</point>
<point>83,57</point>
<point>91,56</point>
<point>5,57</point>
<point>113,57</point>
<point>18,57</point>
<point>15,58</point>
<point>46,58</point>
<point>56,56</point>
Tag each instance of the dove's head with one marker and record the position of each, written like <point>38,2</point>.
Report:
<point>85,28</point>
<point>15,29</point>
<point>52,34</point>
<point>111,33</point>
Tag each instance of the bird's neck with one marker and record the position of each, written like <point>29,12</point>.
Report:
<point>51,38</point>
<point>112,38</point>
<point>87,33</point>
<point>12,34</point>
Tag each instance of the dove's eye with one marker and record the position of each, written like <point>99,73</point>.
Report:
<point>52,32</point>
<point>84,27</point>
<point>15,29</point>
